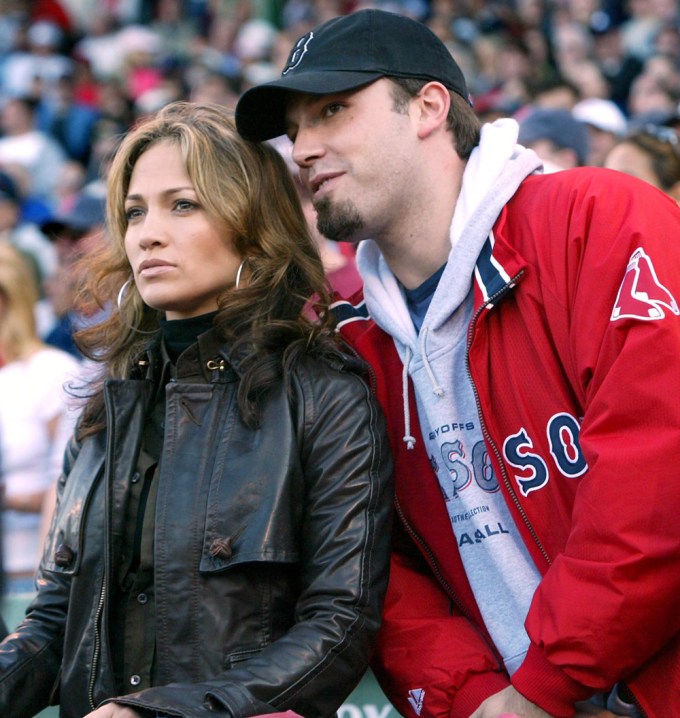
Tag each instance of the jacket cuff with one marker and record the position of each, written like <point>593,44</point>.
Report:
<point>475,691</point>
<point>546,685</point>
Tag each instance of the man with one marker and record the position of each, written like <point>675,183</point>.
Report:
<point>606,126</point>
<point>556,136</point>
<point>531,322</point>
<point>74,231</point>
<point>23,144</point>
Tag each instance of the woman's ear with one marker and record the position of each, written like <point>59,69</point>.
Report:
<point>433,102</point>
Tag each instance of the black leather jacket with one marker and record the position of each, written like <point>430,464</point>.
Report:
<point>270,551</point>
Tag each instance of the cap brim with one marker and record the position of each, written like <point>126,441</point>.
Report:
<point>52,228</point>
<point>261,111</point>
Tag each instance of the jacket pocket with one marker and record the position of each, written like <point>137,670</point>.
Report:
<point>63,546</point>
<point>243,654</point>
<point>255,499</point>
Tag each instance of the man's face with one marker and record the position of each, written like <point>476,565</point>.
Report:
<point>353,150</point>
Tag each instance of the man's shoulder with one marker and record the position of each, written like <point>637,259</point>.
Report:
<point>349,309</point>
<point>546,199</point>
<point>358,329</point>
<point>582,179</point>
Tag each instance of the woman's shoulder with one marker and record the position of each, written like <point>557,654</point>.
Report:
<point>334,368</point>
<point>332,358</point>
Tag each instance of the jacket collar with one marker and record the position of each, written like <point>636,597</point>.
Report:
<point>205,361</point>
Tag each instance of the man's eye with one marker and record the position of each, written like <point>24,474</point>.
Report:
<point>332,109</point>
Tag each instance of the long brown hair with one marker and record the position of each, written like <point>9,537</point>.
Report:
<point>247,188</point>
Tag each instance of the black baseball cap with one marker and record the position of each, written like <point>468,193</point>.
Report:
<point>343,54</point>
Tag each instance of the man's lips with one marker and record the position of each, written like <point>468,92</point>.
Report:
<point>321,182</point>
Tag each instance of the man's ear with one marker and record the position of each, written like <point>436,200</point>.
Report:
<point>433,104</point>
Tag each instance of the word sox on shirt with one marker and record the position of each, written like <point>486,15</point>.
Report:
<point>495,558</point>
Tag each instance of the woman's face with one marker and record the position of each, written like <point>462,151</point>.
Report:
<point>627,157</point>
<point>182,260</point>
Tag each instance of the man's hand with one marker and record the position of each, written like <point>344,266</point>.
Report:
<point>113,710</point>
<point>509,701</point>
<point>586,710</point>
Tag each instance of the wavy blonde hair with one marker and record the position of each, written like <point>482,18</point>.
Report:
<point>246,188</point>
<point>19,294</point>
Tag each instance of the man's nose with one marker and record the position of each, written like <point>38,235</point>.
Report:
<point>307,146</point>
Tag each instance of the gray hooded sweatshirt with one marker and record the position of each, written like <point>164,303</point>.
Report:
<point>501,572</point>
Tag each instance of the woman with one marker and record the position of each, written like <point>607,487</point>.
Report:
<point>35,418</point>
<point>220,542</point>
<point>651,153</point>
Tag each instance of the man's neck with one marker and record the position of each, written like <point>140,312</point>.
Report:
<point>418,243</point>
<point>419,247</point>
<point>418,259</point>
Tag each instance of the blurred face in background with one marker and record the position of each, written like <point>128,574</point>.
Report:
<point>632,160</point>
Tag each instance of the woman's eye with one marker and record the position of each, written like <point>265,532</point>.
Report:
<point>131,213</point>
<point>184,205</point>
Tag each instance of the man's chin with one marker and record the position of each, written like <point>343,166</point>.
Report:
<point>339,222</point>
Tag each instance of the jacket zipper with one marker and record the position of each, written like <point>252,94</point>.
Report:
<point>485,431</point>
<point>102,594</point>
<point>491,443</point>
<point>442,581</point>
<point>97,645</point>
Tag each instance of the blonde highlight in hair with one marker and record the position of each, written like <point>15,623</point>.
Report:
<point>248,190</point>
<point>19,295</point>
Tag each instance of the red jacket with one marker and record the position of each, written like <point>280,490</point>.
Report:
<point>574,351</point>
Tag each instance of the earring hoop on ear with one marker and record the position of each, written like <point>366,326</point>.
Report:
<point>122,292</point>
<point>238,272</point>
<point>119,300</point>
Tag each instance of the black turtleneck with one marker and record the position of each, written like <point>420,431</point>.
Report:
<point>179,334</point>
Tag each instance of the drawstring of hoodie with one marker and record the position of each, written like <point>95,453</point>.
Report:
<point>437,389</point>
<point>409,440</point>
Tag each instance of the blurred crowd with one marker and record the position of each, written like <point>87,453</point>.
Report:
<point>591,82</point>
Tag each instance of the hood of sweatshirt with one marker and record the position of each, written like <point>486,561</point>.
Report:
<point>494,171</point>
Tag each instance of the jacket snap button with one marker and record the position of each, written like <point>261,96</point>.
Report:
<point>63,556</point>
<point>142,598</point>
<point>135,680</point>
<point>135,477</point>
<point>221,548</point>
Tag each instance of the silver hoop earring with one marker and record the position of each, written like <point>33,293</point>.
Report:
<point>122,292</point>
<point>238,272</point>
<point>121,296</point>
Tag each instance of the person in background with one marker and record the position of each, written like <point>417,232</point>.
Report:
<point>26,236</point>
<point>606,125</point>
<point>532,324</point>
<point>37,152</point>
<point>36,69</point>
<point>70,122</point>
<point>221,538</point>
<point>75,232</point>
<point>36,418</point>
<point>651,153</point>
<point>559,139</point>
